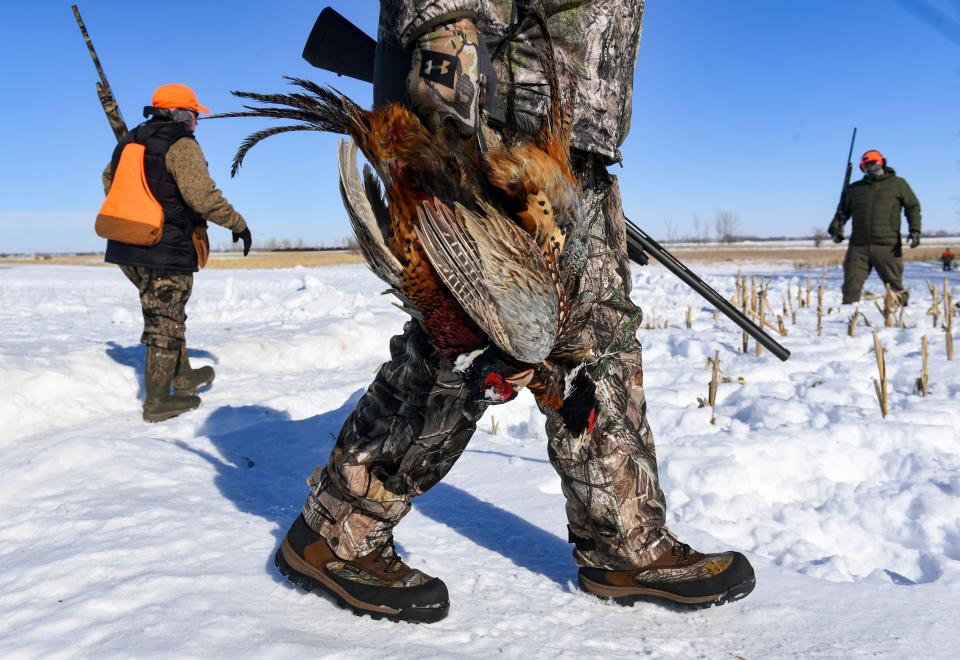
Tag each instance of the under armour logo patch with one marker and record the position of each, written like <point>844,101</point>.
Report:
<point>438,67</point>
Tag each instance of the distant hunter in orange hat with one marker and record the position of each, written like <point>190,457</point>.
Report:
<point>875,203</point>
<point>175,171</point>
<point>947,259</point>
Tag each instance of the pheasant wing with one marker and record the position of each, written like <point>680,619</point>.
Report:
<point>364,220</point>
<point>497,273</point>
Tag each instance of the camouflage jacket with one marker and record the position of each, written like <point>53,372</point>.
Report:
<point>596,44</point>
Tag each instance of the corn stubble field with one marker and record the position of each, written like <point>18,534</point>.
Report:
<point>836,472</point>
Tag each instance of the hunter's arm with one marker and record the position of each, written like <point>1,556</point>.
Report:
<point>187,165</point>
<point>840,217</point>
<point>402,21</point>
<point>911,206</point>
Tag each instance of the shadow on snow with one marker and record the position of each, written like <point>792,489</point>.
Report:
<point>267,457</point>
<point>135,356</point>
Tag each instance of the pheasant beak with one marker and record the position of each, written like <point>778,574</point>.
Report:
<point>520,380</point>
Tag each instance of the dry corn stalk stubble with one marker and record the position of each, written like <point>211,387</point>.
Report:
<point>934,310</point>
<point>820,305</point>
<point>890,303</point>
<point>762,314</point>
<point>852,323</point>
<point>745,338</point>
<point>712,389</point>
<point>881,385</point>
<point>948,321</point>
<point>921,386</point>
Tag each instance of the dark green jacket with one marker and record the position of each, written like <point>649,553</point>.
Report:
<point>875,207</point>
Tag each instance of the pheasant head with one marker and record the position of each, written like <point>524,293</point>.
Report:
<point>491,376</point>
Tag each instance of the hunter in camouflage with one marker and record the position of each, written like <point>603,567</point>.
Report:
<point>417,417</point>
<point>596,42</point>
<point>176,175</point>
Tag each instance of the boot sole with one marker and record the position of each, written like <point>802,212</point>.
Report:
<point>153,418</point>
<point>308,578</point>
<point>628,596</point>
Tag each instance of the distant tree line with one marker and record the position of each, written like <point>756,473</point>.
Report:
<point>288,245</point>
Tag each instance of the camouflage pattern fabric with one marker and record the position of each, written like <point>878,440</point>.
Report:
<point>596,43</point>
<point>416,419</point>
<point>445,75</point>
<point>163,299</point>
<point>406,433</point>
<point>161,366</point>
<point>357,572</point>
<point>707,567</point>
<point>610,479</point>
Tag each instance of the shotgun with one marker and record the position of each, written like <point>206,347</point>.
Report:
<point>846,177</point>
<point>107,100</point>
<point>337,45</point>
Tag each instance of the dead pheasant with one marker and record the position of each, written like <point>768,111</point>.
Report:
<point>470,241</point>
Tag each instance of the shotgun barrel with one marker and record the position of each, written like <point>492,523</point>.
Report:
<point>846,177</point>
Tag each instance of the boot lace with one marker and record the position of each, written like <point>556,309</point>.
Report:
<point>388,556</point>
<point>680,550</point>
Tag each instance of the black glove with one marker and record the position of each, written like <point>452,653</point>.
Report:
<point>836,235</point>
<point>246,238</point>
<point>914,239</point>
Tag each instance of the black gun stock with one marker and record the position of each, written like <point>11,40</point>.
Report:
<point>352,53</point>
<point>335,44</point>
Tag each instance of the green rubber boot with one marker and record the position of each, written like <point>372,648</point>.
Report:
<point>188,380</point>
<point>157,377</point>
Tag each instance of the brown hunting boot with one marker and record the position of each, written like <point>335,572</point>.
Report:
<point>679,577</point>
<point>159,404</point>
<point>378,584</point>
<point>188,380</point>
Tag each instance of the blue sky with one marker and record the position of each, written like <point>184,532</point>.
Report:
<point>739,106</point>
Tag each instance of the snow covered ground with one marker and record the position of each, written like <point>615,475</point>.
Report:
<point>119,538</point>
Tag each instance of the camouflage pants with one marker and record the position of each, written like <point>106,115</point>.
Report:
<point>860,259</point>
<point>163,299</point>
<point>417,418</point>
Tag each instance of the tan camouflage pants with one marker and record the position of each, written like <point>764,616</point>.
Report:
<point>163,300</point>
<point>416,419</point>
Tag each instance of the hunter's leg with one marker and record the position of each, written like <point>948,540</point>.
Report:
<point>163,300</point>
<point>615,508</point>
<point>407,431</point>
<point>888,260</point>
<point>856,270</point>
<point>614,503</point>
